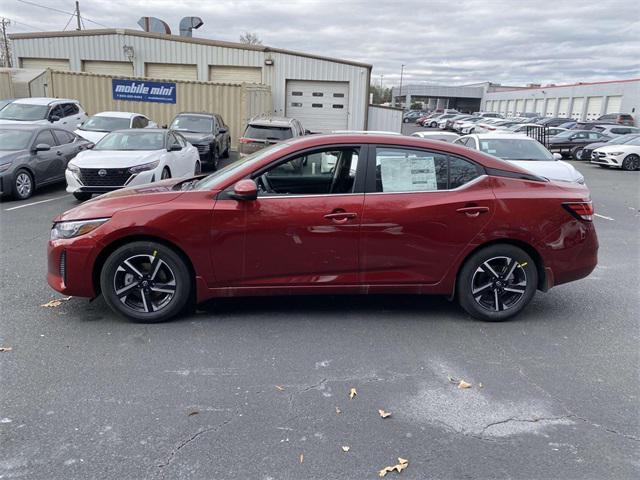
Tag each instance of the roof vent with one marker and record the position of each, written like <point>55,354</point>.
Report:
<point>187,24</point>
<point>154,25</point>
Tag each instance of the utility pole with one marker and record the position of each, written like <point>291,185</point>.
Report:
<point>78,15</point>
<point>381,77</point>
<point>401,73</point>
<point>5,43</point>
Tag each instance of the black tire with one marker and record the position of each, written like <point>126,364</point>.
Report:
<point>576,153</point>
<point>141,302</point>
<point>477,287</point>
<point>23,185</point>
<point>631,163</point>
<point>166,173</point>
<point>406,120</point>
<point>82,196</point>
<point>433,124</point>
<point>225,154</point>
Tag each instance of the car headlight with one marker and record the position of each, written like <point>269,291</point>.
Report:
<point>73,168</point>
<point>75,228</point>
<point>144,167</point>
<point>4,167</point>
<point>614,154</point>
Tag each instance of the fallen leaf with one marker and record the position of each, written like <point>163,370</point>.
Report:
<point>352,393</point>
<point>280,388</point>
<point>192,413</point>
<point>6,349</point>
<point>301,457</point>
<point>384,414</point>
<point>464,384</point>
<point>403,461</point>
<point>56,302</point>
<point>345,448</point>
<point>338,411</point>
<point>401,465</point>
<point>480,385</point>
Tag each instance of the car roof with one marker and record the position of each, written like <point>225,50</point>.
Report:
<point>502,136</point>
<point>118,114</point>
<point>28,126</point>
<point>43,100</point>
<point>272,121</point>
<point>145,130</point>
<point>200,114</point>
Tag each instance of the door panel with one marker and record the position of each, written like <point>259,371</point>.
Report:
<point>49,165</point>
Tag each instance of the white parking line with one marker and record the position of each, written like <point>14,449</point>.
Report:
<point>602,216</point>
<point>35,203</point>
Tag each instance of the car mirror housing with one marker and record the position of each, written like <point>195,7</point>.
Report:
<point>223,130</point>
<point>557,156</point>
<point>42,147</point>
<point>245,190</point>
<point>90,146</point>
<point>54,118</point>
<point>174,148</point>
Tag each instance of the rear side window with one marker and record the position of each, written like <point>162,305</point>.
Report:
<point>140,122</point>
<point>266,132</point>
<point>462,171</point>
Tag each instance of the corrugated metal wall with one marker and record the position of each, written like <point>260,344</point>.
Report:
<point>6,85</point>
<point>385,119</point>
<point>235,102</point>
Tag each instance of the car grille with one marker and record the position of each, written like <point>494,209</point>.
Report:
<point>202,148</point>
<point>111,177</point>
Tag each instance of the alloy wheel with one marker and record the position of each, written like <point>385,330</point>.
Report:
<point>144,283</point>
<point>499,284</point>
<point>23,184</point>
<point>632,162</point>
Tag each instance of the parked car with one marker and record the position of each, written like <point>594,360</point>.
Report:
<point>450,121</point>
<point>615,130</point>
<point>524,152</point>
<point>568,125</point>
<point>553,121</point>
<point>277,224</point>
<point>32,156</point>
<point>431,120</point>
<point>412,116</point>
<point>263,131</point>
<point>488,115</point>
<point>457,125</point>
<point>587,151</point>
<point>131,157</point>
<point>553,131</point>
<point>619,118</point>
<point>469,125</point>
<point>625,156</point>
<point>207,132</point>
<point>442,120</point>
<point>55,112</point>
<point>492,125</point>
<point>96,127</point>
<point>571,142</point>
<point>431,135</point>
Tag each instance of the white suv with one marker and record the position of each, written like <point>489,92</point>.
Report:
<point>59,112</point>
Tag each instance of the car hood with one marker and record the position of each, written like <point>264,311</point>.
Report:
<point>94,137</point>
<point>7,156</point>
<point>195,137</point>
<point>131,197</point>
<point>552,169</point>
<point>593,146</point>
<point>619,148</point>
<point>115,158</point>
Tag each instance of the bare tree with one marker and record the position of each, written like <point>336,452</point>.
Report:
<point>250,38</point>
<point>5,46</point>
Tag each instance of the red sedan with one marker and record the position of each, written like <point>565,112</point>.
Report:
<point>332,214</point>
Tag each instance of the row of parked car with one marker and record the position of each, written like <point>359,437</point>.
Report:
<point>49,140</point>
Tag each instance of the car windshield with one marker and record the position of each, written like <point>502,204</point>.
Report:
<point>105,124</point>
<point>219,176</point>
<point>515,149</point>
<point>623,139</point>
<point>192,123</point>
<point>635,141</point>
<point>14,139</point>
<point>132,140</point>
<point>267,132</point>
<point>24,112</point>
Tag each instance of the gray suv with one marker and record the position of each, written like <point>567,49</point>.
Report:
<point>263,131</point>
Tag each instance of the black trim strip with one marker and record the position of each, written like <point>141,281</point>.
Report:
<point>496,172</point>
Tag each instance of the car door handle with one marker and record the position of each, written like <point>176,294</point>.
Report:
<point>58,153</point>
<point>473,211</point>
<point>340,217</point>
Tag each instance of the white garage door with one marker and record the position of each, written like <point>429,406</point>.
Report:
<point>227,74</point>
<point>519,104</point>
<point>593,107</point>
<point>563,107</point>
<point>528,106</point>
<point>551,106</point>
<point>538,106</point>
<point>576,110</point>
<point>613,104</point>
<point>510,108</point>
<point>108,68</point>
<point>171,71</point>
<point>53,63</point>
<point>320,106</point>
<point>488,105</point>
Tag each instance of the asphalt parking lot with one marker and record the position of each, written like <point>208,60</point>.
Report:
<point>259,388</point>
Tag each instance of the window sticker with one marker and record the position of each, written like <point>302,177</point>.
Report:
<point>408,174</point>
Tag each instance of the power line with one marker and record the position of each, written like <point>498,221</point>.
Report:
<point>61,12</point>
<point>13,20</point>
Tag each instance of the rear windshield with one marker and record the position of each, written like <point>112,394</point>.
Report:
<point>266,132</point>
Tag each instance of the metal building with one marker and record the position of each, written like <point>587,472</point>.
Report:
<point>324,93</point>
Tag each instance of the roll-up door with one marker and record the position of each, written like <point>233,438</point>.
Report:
<point>40,63</point>
<point>171,71</point>
<point>563,107</point>
<point>613,104</point>
<point>320,106</point>
<point>594,104</point>
<point>519,104</point>
<point>229,74</point>
<point>538,106</point>
<point>124,69</point>
<point>576,109</point>
<point>551,106</point>
<point>510,108</point>
<point>528,106</point>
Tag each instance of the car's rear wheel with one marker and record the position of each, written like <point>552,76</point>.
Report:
<point>82,196</point>
<point>631,162</point>
<point>22,184</point>
<point>497,282</point>
<point>576,153</point>
<point>146,281</point>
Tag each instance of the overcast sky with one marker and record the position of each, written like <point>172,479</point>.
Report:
<point>444,42</point>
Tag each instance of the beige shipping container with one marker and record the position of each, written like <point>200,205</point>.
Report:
<point>236,103</point>
<point>6,85</point>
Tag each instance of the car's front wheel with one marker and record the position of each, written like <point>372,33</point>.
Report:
<point>631,162</point>
<point>497,282</point>
<point>146,281</point>
<point>22,185</point>
<point>576,153</point>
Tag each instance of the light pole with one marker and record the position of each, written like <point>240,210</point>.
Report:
<point>401,74</point>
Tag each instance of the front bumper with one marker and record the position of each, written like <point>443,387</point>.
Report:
<point>70,263</point>
<point>601,158</point>
<point>75,185</point>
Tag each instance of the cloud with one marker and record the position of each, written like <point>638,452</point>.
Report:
<point>508,41</point>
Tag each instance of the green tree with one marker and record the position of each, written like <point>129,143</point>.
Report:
<point>380,94</point>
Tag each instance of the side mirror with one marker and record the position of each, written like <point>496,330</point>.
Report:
<point>54,118</point>
<point>90,146</point>
<point>42,147</point>
<point>245,190</point>
<point>557,156</point>
<point>175,147</point>
<point>308,132</point>
<point>223,130</point>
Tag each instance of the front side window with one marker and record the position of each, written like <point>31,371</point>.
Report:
<point>45,137</point>
<point>330,171</point>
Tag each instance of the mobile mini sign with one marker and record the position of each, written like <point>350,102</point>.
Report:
<point>143,91</point>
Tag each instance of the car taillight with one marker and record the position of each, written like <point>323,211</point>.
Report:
<point>580,210</point>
